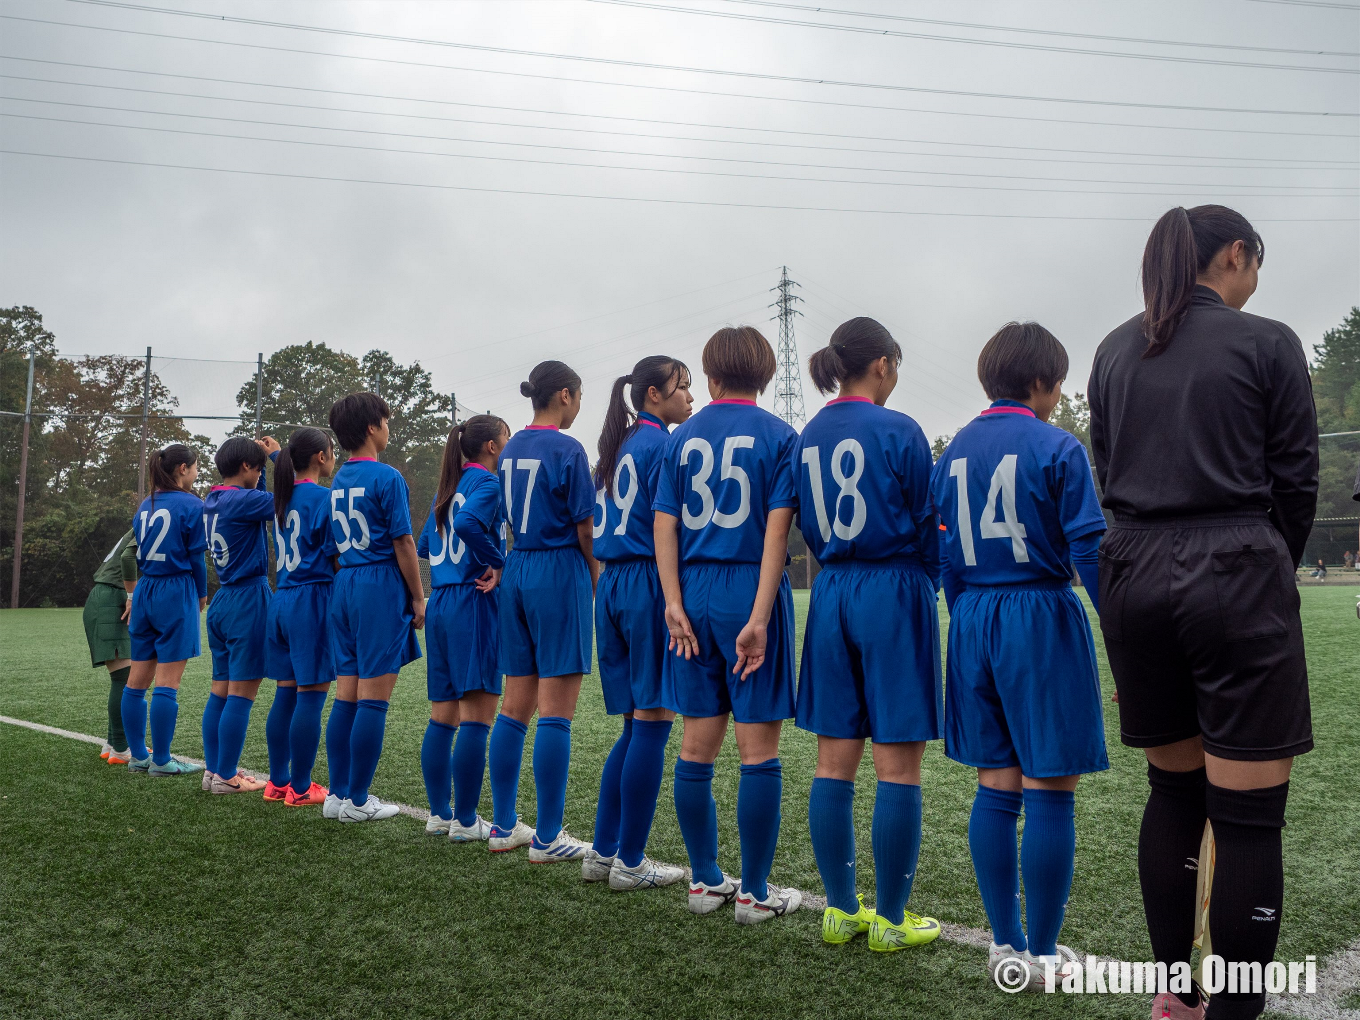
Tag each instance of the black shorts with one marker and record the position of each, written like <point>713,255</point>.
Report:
<point>1202,629</point>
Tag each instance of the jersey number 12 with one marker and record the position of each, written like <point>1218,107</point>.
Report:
<point>1001,490</point>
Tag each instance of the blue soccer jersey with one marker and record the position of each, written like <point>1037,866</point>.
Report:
<point>304,546</point>
<point>623,521</point>
<point>171,534</point>
<point>370,508</point>
<point>1012,493</point>
<point>453,560</point>
<point>725,469</point>
<point>864,485</point>
<point>235,519</point>
<point>547,487</point>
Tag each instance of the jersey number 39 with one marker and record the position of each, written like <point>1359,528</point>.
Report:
<point>1002,490</point>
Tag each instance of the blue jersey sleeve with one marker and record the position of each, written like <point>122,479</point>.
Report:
<point>198,567</point>
<point>916,491</point>
<point>578,488</point>
<point>321,521</point>
<point>256,504</point>
<point>666,498</point>
<point>478,537</point>
<point>1086,558</point>
<point>397,502</point>
<point>1076,499</point>
<point>423,543</point>
<point>784,482</point>
<point>195,531</point>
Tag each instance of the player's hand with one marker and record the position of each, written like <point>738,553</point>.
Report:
<point>127,610</point>
<point>1115,697</point>
<point>203,603</point>
<point>418,614</point>
<point>682,642</point>
<point>750,649</point>
<point>269,443</point>
<point>488,581</point>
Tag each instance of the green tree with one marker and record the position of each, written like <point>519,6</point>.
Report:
<point>301,382</point>
<point>419,426</point>
<point>1336,391</point>
<point>1073,414</point>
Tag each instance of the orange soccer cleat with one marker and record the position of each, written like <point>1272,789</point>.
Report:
<point>314,796</point>
<point>272,792</point>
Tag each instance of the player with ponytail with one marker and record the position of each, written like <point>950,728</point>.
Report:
<point>630,620</point>
<point>464,540</point>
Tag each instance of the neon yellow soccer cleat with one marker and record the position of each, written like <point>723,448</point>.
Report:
<point>839,927</point>
<point>885,937</point>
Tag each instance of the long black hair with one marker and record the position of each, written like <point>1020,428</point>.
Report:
<point>465,443</point>
<point>303,445</point>
<point>853,347</point>
<point>547,378</point>
<point>619,421</point>
<point>161,467</point>
<point>1181,246</point>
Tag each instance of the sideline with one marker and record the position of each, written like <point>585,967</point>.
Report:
<point>1338,975</point>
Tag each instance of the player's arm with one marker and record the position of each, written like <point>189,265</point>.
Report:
<point>751,642</point>
<point>404,546</point>
<point>585,537</point>
<point>666,536</point>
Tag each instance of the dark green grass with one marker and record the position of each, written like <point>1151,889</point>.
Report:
<point>233,907</point>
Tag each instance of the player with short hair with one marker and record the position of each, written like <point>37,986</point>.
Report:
<point>871,647</point>
<point>545,615</point>
<point>630,621</point>
<point>298,643</point>
<point>234,514</point>
<point>724,503</point>
<point>106,632</point>
<point>377,604</point>
<point>163,624</point>
<point>464,540</point>
<point>1017,507</point>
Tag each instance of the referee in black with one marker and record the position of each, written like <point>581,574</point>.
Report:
<point>1205,442</point>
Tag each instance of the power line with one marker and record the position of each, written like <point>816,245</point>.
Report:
<point>625,198</point>
<point>1281,191</point>
<point>647,65</point>
<point>687,91</point>
<point>1341,164</point>
<point>931,37</point>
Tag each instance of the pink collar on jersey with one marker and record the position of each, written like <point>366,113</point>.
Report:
<point>849,400</point>
<point>544,428</point>
<point>730,400</point>
<point>223,488</point>
<point>304,481</point>
<point>646,419</point>
<point>474,464</point>
<point>1009,409</point>
<point>354,460</point>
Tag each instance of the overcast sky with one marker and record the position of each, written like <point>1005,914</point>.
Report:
<point>941,214</point>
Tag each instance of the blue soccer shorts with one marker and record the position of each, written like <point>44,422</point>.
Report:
<point>718,599</point>
<point>1021,686</point>
<point>462,635</point>
<point>298,635</point>
<point>163,624</point>
<point>871,654</point>
<point>630,635</point>
<point>371,621</point>
<point>545,617</point>
<point>238,619</point>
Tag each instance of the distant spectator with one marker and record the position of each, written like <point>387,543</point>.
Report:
<point>1319,571</point>
<point>1348,558</point>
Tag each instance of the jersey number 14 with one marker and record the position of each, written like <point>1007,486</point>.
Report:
<point>1002,491</point>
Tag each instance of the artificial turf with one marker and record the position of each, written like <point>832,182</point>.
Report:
<point>125,896</point>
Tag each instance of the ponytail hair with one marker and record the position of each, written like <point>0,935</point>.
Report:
<point>465,443</point>
<point>161,466</point>
<point>1181,247</point>
<point>547,378</point>
<point>854,346</point>
<point>303,445</point>
<point>666,374</point>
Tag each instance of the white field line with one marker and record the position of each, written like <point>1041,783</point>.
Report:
<point>1338,975</point>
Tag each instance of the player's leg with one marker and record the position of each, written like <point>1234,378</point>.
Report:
<point>304,737</point>
<point>141,675</point>
<point>339,728</point>
<point>365,748</point>
<point>1048,852</point>
<point>697,812</point>
<point>831,823</point>
<point>117,738</point>
<point>505,757</point>
<point>277,725</point>
<point>557,697</point>
<point>897,847</point>
<point>231,737</point>
<point>478,711</point>
<point>238,658</point>
<point>436,764</point>
<point>163,712</point>
<point>613,647</point>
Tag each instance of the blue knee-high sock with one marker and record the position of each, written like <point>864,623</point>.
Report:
<point>231,734</point>
<point>1048,851</point>
<point>610,803</point>
<point>897,846</point>
<point>552,757</point>
<point>697,813</point>
<point>133,710</point>
<point>304,735</point>
<point>276,726</point>
<point>831,820</point>
<point>991,838</point>
<point>338,729</point>
<point>758,803</point>
<point>469,765</point>
<point>640,786</point>
<point>504,761</point>
<point>365,746</point>
<point>212,718</point>
<point>436,765</point>
<point>164,712</point>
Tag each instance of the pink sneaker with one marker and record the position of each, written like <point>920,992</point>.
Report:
<point>1166,1006</point>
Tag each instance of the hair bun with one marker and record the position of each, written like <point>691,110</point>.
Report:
<point>526,389</point>
<point>628,379</point>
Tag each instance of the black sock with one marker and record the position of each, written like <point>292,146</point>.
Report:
<point>1248,891</point>
<point>118,679</point>
<point>1168,862</point>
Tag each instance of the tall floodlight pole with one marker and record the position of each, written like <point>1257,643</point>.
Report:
<point>23,488</point>
<point>259,395</point>
<point>146,408</point>
<point>788,379</point>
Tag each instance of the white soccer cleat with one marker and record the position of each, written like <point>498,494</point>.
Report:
<point>647,875</point>
<point>565,847</point>
<point>1062,962</point>
<point>208,778</point>
<point>371,810</point>
<point>478,832</point>
<point>595,866</point>
<point>436,826</point>
<point>1012,969</point>
<point>704,899</point>
<point>500,840</point>
<point>777,902</point>
<point>331,808</point>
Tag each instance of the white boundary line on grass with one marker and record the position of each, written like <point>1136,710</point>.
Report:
<point>1339,975</point>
